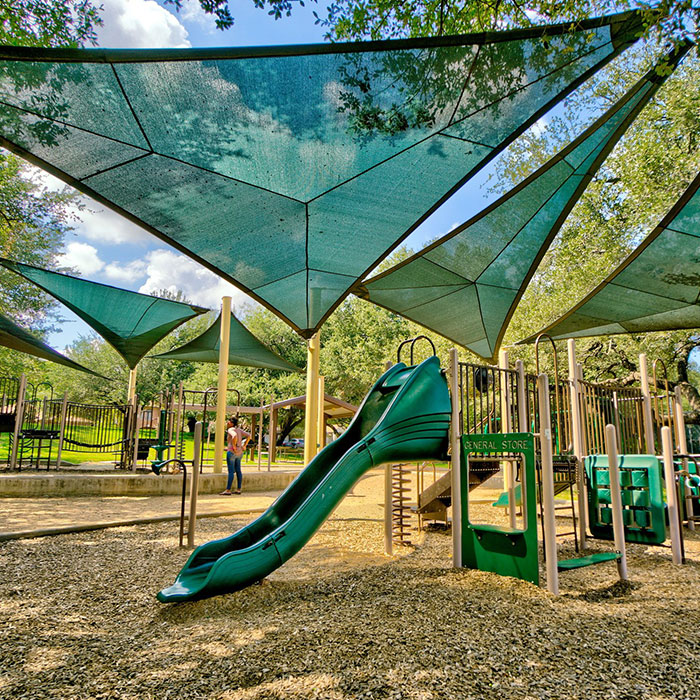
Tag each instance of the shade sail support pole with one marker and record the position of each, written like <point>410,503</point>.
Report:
<point>131,392</point>
<point>224,338</point>
<point>311,411</point>
<point>577,435</point>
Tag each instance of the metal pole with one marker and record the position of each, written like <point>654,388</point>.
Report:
<point>550,525</point>
<point>388,540</point>
<point>19,417</point>
<point>178,419</point>
<point>523,427</point>
<point>616,500</point>
<point>311,408</point>
<point>62,430</point>
<point>577,435</point>
<point>137,428</point>
<point>455,445</point>
<point>131,392</point>
<point>646,403</point>
<point>506,428</point>
<point>260,436</point>
<point>320,432</point>
<point>224,338</point>
<point>271,436</point>
<point>682,443</point>
<point>194,484</point>
<point>671,495</point>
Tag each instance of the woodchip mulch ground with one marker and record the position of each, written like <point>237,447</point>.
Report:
<point>79,620</point>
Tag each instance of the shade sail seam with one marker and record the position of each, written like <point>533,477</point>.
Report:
<point>100,56</point>
<point>460,138</point>
<point>653,294</point>
<point>464,85</point>
<point>306,257</point>
<point>118,165</point>
<point>682,233</point>
<point>279,279</point>
<point>131,109</point>
<point>146,310</point>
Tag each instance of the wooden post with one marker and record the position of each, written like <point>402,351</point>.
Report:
<point>222,385</point>
<point>194,484</point>
<point>19,418</point>
<point>646,403</point>
<point>616,500</point>
<point>311,408</point>
<point>550,524</point>
<point>320,434</point>
<point>455,445</point>
<point>62,430</point>
<point>577,435</point>
<point>682,443</point>
<point>671,495</point>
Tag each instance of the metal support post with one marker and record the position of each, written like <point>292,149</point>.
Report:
<point>222,384</point>
<point>311,409</point>
<point>508,470</point>
<point>682,444</point>
<point>616,500</point>
<point>523,427</point>
<point>320,428</point>
<point>577,434</point>
<point>671,495</point>
<point>19,418</point>
<point>455,448</point>
<point>388,540</point>
<point>62,430</point>
<point>646,404</point>
<point>194,484</point>
<point>550,524</point>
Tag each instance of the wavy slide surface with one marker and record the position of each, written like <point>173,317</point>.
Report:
<point>404,417</point>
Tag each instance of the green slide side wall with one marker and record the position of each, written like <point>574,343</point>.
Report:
<point>489,547</point>
<point>643,506</point>
<point>404,417</point>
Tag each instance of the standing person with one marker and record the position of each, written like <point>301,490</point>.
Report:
<point>236,439</point>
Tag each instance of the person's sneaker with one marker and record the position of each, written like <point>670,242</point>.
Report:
<point>225,493</point>
<point>237,492</point>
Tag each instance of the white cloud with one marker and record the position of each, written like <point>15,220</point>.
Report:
<point>128,273</point>
<point>140,24</point>
<point>172,271</point>
<point>192,12</point>
<point>81,256</point>
<point>102,225</point>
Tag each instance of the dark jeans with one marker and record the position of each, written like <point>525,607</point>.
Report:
<point>234,467</point>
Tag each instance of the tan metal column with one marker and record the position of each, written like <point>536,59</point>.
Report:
<point>224,337</point>
<point>506,428</point>
<point>320,428</point>
<point>549,525</point>
<point>455,448</point>
<point>682,443</point>
<point>131,392</point>
<point>646,401</point>
<point>577,435</point>
<point>311,410</point>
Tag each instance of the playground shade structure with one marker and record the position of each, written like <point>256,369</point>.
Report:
<point>291,171</point>
<point>467,284</point>
<point>244,349</point>
<point>405,416</point>
<point>14,337</point>
<point>657,288</point>
<point>132,323</point>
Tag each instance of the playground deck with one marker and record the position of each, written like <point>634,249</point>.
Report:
<point>339,621</point>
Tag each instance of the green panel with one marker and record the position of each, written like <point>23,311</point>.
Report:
<point>500,247</point>
<point>14,337</point>
<point>643,506</point>
<point>267,162</point>
<point>490,548</point>
<point>404,417</point>
<point>131,322</point>
<point>244,349</point>
<point>590,560</point>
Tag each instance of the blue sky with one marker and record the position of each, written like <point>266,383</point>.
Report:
<point>105,247</point>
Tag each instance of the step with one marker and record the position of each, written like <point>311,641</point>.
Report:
<point>590,560</point>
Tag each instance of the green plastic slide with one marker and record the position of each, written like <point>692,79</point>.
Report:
<point>405,417</point>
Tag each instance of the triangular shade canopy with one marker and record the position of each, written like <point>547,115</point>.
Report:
<point>244,349</point>
<point>291,171</point>
<point>130,322</point>
<point>657,288</point>
<point>14,337</point>
<point>467,284</point>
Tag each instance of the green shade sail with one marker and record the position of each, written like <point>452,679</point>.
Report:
<point>467,284</point>
<point>244,349</point>
<point>291,171</point>
<point>657,288</point>
<point>14,337</point>
<point>130,322</point>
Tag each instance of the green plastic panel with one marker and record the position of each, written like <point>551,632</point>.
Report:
<point>291,171</point>
<point>643,506</point>
<point>503,551</point>
<point>405,417</point>
<point>590,560</point>
<point>14,337</point>
<point>130,322</point>
<point>244,349</point>
<point>466,284</point>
